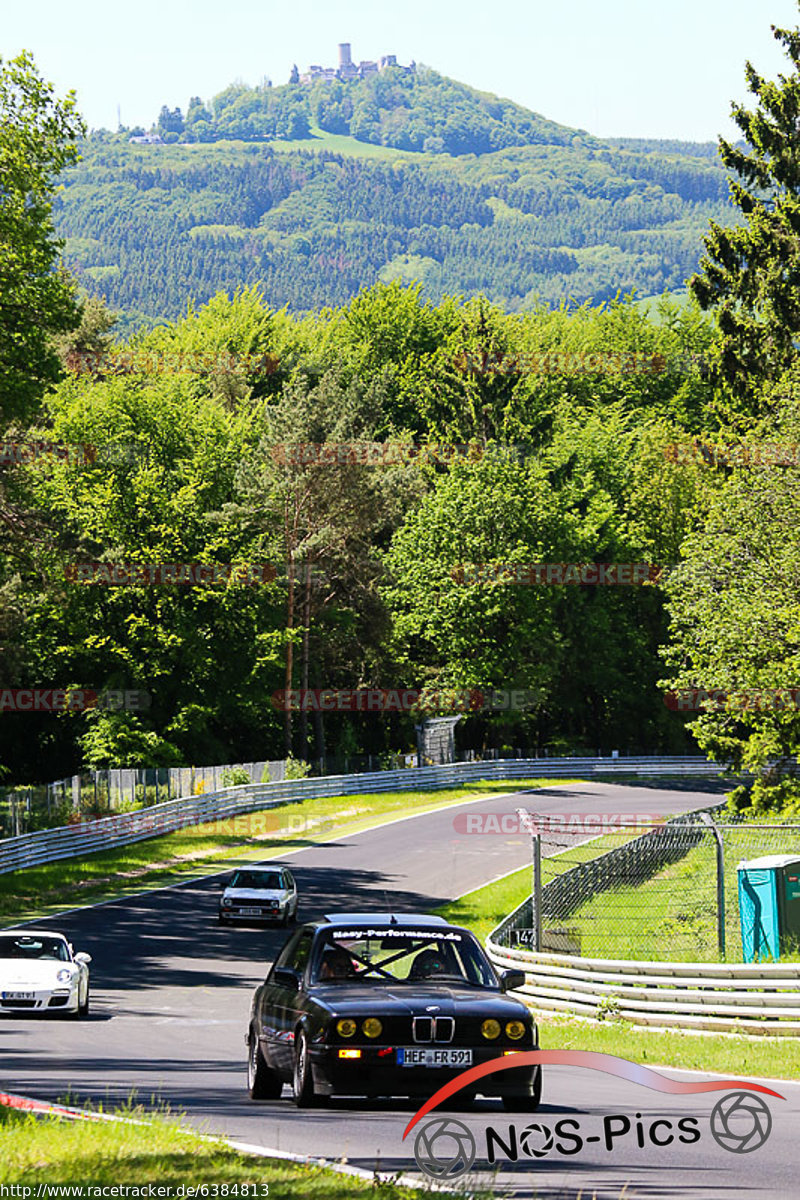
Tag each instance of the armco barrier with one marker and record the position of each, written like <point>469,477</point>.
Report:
<point>70,841</point>
<point>752,998</point>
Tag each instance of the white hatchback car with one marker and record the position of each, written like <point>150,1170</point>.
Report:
<point>39,972</point>
<point>259,894</point>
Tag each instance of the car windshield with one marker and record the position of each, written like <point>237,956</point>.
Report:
<point>257,879</point>
<point>402,956</point>
<point>30,946</point>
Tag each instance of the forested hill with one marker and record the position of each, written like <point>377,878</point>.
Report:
<point>316,219</point>
<point>408,110</point>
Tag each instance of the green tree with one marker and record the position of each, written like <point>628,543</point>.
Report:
<point>37,140</point>
<point>208,655</point>
<point>170,120</point>
<point>600,492</point>
<point>324,522</point>
<point>734,604</point>
<point>750,274</point>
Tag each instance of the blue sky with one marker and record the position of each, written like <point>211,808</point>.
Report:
<point>618,68</point>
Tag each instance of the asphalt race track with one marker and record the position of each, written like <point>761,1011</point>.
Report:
<point>171,995</point>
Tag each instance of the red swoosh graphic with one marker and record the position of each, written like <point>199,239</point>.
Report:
<point>593,1060</point>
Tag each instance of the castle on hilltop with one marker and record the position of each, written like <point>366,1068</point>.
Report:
<point>347,69</point>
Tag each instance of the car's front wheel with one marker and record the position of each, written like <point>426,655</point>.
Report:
<point>262,1082</point>
<point>528,1102</point>
<point>83,1008</point>
<point>302,1080</point>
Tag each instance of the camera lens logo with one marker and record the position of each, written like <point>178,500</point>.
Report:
<point>444,1148</point>
<point>740,1122</point>
<point>536,1140</point>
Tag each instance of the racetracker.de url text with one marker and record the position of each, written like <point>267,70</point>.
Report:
<point>137,1191</point>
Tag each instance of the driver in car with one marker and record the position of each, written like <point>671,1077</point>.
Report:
<point>336,964</point>
<point>427,965</point>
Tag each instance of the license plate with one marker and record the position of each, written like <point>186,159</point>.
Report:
<point>428,1056</point>
<point>250,912</point>
<point>19,995</point>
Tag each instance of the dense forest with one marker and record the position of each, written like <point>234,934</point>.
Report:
<point>150,227</point>
<point>240,439</point>
<point>384,606</point>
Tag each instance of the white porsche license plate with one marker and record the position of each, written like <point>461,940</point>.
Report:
<point>19,995</point>
<point>428,1056</point>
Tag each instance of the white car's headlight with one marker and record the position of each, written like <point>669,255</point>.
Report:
<point>226,902</point>
<point>64,975</point>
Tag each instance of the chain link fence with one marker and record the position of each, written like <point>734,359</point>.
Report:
<point>669,894</point>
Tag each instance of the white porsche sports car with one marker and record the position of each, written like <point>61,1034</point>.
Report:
<point>39,972</point>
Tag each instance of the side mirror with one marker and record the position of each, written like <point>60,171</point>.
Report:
<point>511,981</point>
<point>83,957</point>
<point>287,977</point>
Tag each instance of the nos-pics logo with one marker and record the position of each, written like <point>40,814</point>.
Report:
<point>445,1148</point>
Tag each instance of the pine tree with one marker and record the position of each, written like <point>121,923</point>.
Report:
<point>295,74</point>
<point>750,273</point>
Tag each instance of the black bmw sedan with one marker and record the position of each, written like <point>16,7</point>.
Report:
<point>366,1004</point>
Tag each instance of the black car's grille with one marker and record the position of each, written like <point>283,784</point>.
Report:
<point>420,1030</point>
<point>433,1029</point>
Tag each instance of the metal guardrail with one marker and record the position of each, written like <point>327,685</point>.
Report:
<point>751,998</point>
<point>87,837</point>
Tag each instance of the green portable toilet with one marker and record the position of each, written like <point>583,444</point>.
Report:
<point>769,906</point>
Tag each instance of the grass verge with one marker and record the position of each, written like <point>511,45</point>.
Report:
<point>160,1152</point>
<point>205,849</point>
<point>737,1055</point>
<point>484,909</point>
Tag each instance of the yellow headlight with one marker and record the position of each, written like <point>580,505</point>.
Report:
<point>515,1030</point>
<point>345,1027</point>
<point>372,1027</point>
<point>491,1029</point>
